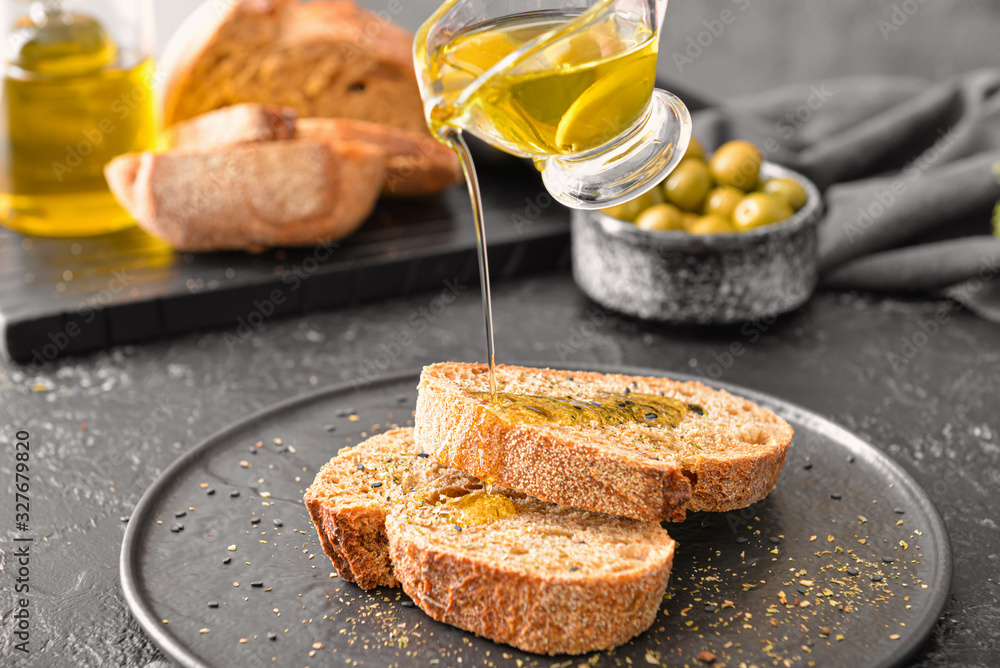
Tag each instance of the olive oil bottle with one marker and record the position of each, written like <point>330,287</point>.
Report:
<point>72,100</point>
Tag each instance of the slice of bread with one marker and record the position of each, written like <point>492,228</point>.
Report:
<point>325,59</point>
<point>548,579</point>
<point>540,577</point>
<point>251,196</point>
<point>721,454</point>
<point>354,491</point>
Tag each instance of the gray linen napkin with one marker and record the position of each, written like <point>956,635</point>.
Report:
<point>907,169</point>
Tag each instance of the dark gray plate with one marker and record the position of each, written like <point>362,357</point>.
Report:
<point>821,541</point>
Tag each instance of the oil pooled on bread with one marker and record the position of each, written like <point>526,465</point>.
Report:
<point>605,409</point>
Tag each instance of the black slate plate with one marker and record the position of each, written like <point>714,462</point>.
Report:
<point>823,537</point>
<point>63,296</point>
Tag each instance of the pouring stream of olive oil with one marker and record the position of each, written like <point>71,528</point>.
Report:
<point>571,90</point>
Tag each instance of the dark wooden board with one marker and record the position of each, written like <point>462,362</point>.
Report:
<point>846,563</point>
<point>65,296</point>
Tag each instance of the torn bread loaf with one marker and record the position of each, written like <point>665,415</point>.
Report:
<point>251,196</point>
<point>416,164</point>
<point>323,59</point>
<point>718,452</point>
<point>511,568</point>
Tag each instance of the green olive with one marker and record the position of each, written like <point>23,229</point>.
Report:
<point>688,184</point>
<point>688,220</point>
<point>722,200</point>
<point>736,163</point>
<point>630,210</point>
<point>660,217</point>
<point>759,209</point>
<point>788,189</point>
<point>694,150</point>
<point>712,224</point>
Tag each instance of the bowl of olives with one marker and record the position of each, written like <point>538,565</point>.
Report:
<point>724,239</point>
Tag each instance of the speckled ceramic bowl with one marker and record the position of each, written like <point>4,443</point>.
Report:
<point>686,279</point>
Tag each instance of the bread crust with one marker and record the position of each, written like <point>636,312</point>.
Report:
<point>587,468</point>
<point>416,164</point>
<point>541,613</point>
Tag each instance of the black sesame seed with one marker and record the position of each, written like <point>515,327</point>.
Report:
<point>711,607</point>
<point>628,391</point>
<point>227,560</point>
<point>180,513</point>
<point>408,604</point>
<point>283,450</point>
<point>810,643</point>
<point>741,539</point>
<point>234,493</point>
<point>807,466</point>
<point>361,467</point>
<point>402,399</point>
<point>344,412</point>
<point>252,449</point>
<point>277,523</point>
<point>850,459</point>
<point>753,561</point>
<point>651,416</point>
<point>693,408</point>
<point>423,455</point>
<point>177,528</point>
<point>661,394</point>
<point>330,427</point>
<point>257,583</point>
<point>774,539</point>
<point>569,378</point>
<point>574,568</point>
<point>705,524</point>
<point>271,635</point>
<point>852,571</point>
<point>213,604</point>
<point>802,590</point>
<point>877,577</point>
<point>376,484</point>
<point>635,383</point>
<point>254,520</point>
<point>888,560</point>
<point>899,511</point>
<point>210,491</point>
<point>835,496</point>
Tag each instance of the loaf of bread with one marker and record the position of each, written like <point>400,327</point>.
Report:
<point>251,196</point>
<point>323,59</point>
<point>720,453</point>
<point>511,568</point>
